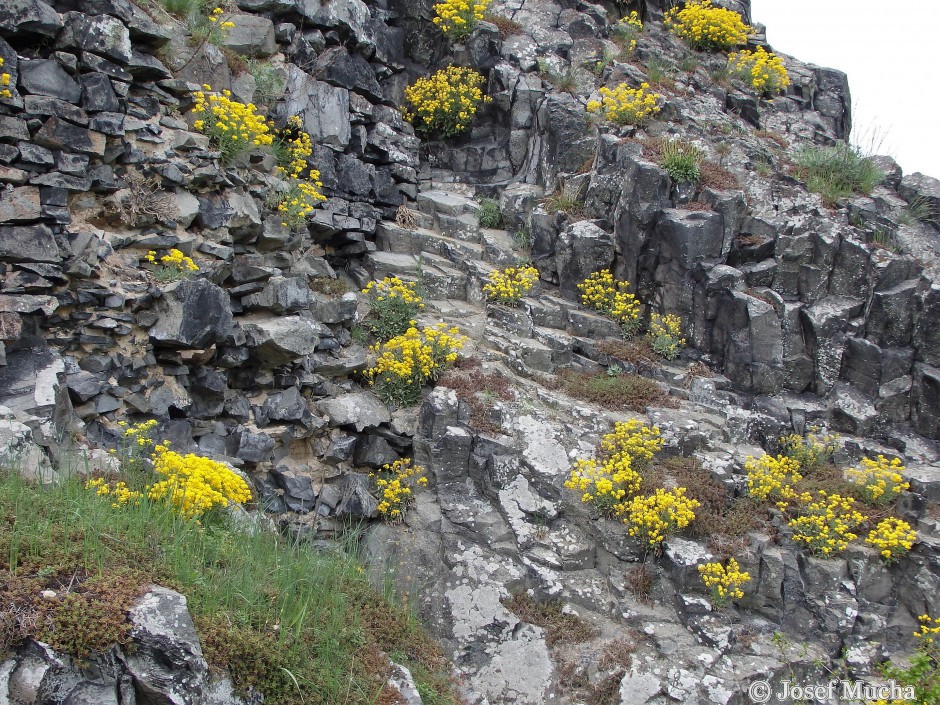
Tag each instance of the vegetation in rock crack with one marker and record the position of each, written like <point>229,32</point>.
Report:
<point>445,103</point>
<point>665,335</point>
<point>270,81</point>
<point>478,389</point>
<point>922,672</point>
<point>836,172</point>
<point>508,285</point>
<point>559,625</point>
<point>879,479</point>
<point>919,210</point>
<point>619,393</point>
<point>458,18</point>
<point>143,201</point>
<point>825,525</point>
<point>707,27</point>
<point>623,105</point>
<point>393,306</point>
<point>561,201</point>
<point>171,266</point>
<point>653,518</point>
<point>233,128</point>
<point>610,296</point>
<point>681,159</point>
<point>4,83</point>
<point>506,26</point>
<point>566,82</point>
<point>522,240</point>
<point>293,148</point>
<point>893,538</point>
<point>725,581</point>
<point>760,69</point>
<point>409,361</point>
<point>490,214</point>
<point>626,33</point>
<point>395,484</point>
<point>296,624</point>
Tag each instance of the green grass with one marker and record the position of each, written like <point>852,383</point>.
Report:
<point>297,624</point>
<point>837,172</point>
<point>682,160</point>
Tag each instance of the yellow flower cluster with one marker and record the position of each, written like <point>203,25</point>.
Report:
<point>893,538</point>
<point>762,70</point>
<point>707,27</point>
<point>457,18</point>
<point>825,526</point>
<point>724,581</point>
<point>293,147</point>
<point>233,128</point>
<point>445,102</point>
<point>655,517</point>
<point>665,335</point>
<point>624,105</point>
<point>139,434</point>
<point>4,82</point>
<point>605,484</point>
<point>880,479</point>
<point>509,285</point>
<point>928,628</point>
<point>395,484</point>
<point>602,293</point>
<point>194,484</point>
<point>120,493</point>
<point>216,15</point>
<point>408,361</point>
<point>628,30</point>
<point>811,451</point>
<point>770,478</point>
<point>393,305</point>
<point>174,259</point>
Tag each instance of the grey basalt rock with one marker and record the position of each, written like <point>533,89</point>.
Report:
<point>47,77</point>
<point>581,249</point>
<point>194,313</point>
<point>277,341</point>
<point>29,17</point>
<point>360,409</point>
<point>167,664</point>
<point>102,34</point>
<point>252,36</point>
<point>357,500</point>
<point>323,108</point>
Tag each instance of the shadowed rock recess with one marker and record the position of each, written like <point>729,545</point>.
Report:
<point>799,316</point>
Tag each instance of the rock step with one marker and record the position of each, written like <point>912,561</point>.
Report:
<point>496,246</point>
<point>434,274</point>
<point>436,202</point>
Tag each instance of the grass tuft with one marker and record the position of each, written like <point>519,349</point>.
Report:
<point>490,214</point>
<point>549,615</point>
<point>619,392</point>
<point>837,172</point>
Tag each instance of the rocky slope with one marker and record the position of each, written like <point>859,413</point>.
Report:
<point>800,317</point>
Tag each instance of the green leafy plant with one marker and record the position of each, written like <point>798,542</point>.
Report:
<point>270,81</point>
<point>682,160</point>
<point>522,239</point>
<point>393,306</point>
<point>490,214</point>
<point>837,172</point>
<point>923,672</point>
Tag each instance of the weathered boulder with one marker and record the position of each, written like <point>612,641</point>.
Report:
<point>194,313</point>
<point>581,249</point>
<point>360,409</point>
<point>323,108</point>
<point>29,17</point>
<point>47,77</point>
<point>102,34</point>
<point>277,341</point>
<point>252,36</point>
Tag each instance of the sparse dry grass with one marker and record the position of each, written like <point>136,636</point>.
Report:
<point>478,389</point>
<point>717,177</point>
<point>549,615</point>
<point>507,27</point>
<point>620,393</point>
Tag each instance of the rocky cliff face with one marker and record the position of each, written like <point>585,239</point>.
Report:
<point>800,316</point>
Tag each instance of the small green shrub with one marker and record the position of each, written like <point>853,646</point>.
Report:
<point>522,239</point>
<point>682,160</point>
<point>490,214</point>
<point>270,81</point>
<point>837,172</point>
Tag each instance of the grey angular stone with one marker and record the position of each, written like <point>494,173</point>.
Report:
<point>47,77</point>
<point>581,249</point>
<point>280,295</point>
<point>924,188</point>
<point>252,36</point>
<point>357,501</point>
<point>360,409</point>
<point>278,341</point>
<point>29,17</point>
<point>339,67</point>
<point>83,385</point>
<point>298,489</point>
<point>852,411</point>
<point>18,205</point>
<point>194,313</point>
<point>689,237</point>
<point>167,662</point>
<point>374,451</point>
<point>288,405</point>
<point>58,134</point>
<point>101,34</point>
<point>253,447</point>
<point>233,210</point>
<point>925,400</point>
<point>34,243</point>
<point>327,309</point>
<point>341,448</point>
<point>323,108</point>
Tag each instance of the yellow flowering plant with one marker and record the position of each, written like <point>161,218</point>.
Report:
<point>772,478</point>
<point>706,27</point>
<point>627,31</point>
<point>393,304</point>
<point>119,492</point>
<point>761,70</point>
<point>409,361</point>
<point>457,18</point>
<point>292,148</point>
<point>395,485</point>
<point>922,672</point>
<point>825,526</point>
<point>652,519</point>
<point>508,286</point>
<point>607,483</point>
<point>218,26</point>
<point>4,83</point>
<point>880,480</point>
<point>812,451</point>
<point>172,265</point>
<point>624,105</point>
<point>193,484</point>
<point>724,581</point>
<point>665,335</point>
<point>295,204</point>
<point>445,102</point>
<point>233,128</point>
<point>893,538</point>
<point>603,293</point>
